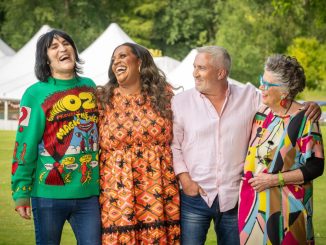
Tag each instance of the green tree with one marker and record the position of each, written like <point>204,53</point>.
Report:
<point>312,56</point>
<point>254,29</point>
<point>84,20</point>
<point>245,31</point>
<point>183,25</point>
<point>250,29</point>
<point>139,21</point>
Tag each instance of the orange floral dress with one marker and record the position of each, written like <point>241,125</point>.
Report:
<point>139,191</point>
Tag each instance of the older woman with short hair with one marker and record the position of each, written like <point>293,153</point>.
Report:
<point>285,154</point>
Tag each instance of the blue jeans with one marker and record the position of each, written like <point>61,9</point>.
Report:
<point>82,214</point>
<point>196,217</point>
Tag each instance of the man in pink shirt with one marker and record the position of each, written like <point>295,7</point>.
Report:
<point>212,126</point>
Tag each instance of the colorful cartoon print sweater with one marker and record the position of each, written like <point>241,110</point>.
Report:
<point>56,148</point>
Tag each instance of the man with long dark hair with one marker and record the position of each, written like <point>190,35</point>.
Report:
<point>49,168</point>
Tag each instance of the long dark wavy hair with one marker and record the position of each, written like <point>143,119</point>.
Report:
<point>42,68</point>
<point>153,83</point>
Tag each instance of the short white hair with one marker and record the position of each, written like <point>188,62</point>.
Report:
<point>219,54</point>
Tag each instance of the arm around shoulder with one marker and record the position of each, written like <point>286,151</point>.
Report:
<point>311,144</point>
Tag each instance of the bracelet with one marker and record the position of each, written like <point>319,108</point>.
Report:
<point>280,179</point>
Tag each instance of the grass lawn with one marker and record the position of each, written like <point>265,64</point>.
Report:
<point>15,231</point>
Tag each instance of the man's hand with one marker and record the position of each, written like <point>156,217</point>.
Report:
<point>23,207</point>
<point>24,211</point>
<point>313,111</point>
<point>190,187</point>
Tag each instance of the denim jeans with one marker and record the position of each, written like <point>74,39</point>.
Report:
<point>82,214</point>
<point>196,217</point>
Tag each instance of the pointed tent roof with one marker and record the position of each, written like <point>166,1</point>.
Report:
<point>6,53</point>
<point>166,64</point>
<point>182,75</point>
<point>97,56</point>
<point>18,73</point>
<point>5,50</point>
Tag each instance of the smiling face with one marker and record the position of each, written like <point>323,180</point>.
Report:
<point>205,73</point>
<point>62,59</point>
<point>125,66</point>
<point>271,95</point>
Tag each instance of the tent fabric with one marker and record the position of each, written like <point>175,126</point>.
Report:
<point>6,53</point>
<point>5,60</point>
<point>5,50</point>
<point>166,64</point>
<point>97,56</point>
<point>18,73</point>
<point>182,75</point>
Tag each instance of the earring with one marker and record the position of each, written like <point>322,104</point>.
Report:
<point>283,101</point>
<point>139,69</point>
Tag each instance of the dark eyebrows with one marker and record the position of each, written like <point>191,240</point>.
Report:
<point>53,45</point>
<point>119,54</point>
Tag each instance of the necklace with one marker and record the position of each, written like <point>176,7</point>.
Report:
<point>265,158</point>
<point>285,113</point>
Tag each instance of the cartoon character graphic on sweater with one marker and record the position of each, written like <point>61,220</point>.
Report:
<point>71,117</point>
<point>85,169</point>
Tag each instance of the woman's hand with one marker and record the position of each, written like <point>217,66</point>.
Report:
<point>263,181</point>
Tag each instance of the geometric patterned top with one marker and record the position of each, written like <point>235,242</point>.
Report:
<point>139,192</point>
<point>279,215</point>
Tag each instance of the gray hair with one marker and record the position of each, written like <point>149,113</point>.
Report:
<point>219,54</point>
<point>288,71</point>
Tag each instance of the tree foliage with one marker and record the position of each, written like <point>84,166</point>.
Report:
<point>312,56</point>
<point>250,29</point>
<point>184,25</point>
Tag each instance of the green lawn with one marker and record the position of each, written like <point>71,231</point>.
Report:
<point>15,231</point>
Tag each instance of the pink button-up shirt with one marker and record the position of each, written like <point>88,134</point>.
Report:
<point>212,148</point>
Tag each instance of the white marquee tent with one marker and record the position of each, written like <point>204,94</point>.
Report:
<point>18,73</point>
<point>6,53</point>
<point>182,75</point>
<point>98,55</point>
<point>166,64</point>
<point>5,50</point>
